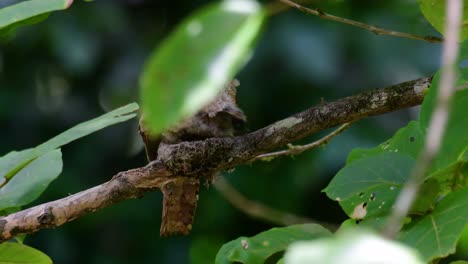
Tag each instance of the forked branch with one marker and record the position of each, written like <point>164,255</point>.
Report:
<point>192,159</point>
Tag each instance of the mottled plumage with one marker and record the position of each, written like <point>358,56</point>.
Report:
<point>221,118</point>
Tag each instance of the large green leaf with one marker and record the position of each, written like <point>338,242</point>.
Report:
<point>15,253</point>
<point>259,248</point>
<point>14,161</point>
<point>192,65</point>
<point>435,235</point>
<point>368,186</point>
<point>455,140</point>
<point>434,11</point>
<point>29,12</point>
<point>31,181</point>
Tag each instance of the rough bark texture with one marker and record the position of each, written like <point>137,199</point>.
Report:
<point>220,118</point>
<point>183,163</point>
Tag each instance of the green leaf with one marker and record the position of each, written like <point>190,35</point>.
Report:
<point>435,235</point>
<point>15,253</point>
<point>259,248</point>
<point>20,238</point>
<point>455,139</point>
<point>194,63</point>
<point>351,246</point>
<point>408,140</point>
<point>28,12</point>
<point>368,186</point>
<point>434,11</point>
<point>427,196</point>
<point>14,161</point>
<point>31,181</point>
<point>459,262</point>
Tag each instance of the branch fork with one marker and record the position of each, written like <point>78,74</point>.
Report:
<point>186,162</point>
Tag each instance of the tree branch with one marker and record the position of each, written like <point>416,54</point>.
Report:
<point>125,185</point>
<point>216,154</point>
<point>373,29</point>
<point>203,158</point>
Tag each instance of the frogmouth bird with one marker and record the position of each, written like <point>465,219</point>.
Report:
<point>220,118</point>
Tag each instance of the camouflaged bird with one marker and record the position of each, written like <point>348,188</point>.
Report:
<point>221,118</point>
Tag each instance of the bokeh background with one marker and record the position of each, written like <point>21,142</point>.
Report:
<point>86,60</point>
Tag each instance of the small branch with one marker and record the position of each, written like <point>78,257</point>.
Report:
<point>273,8</point>
<point>439,118</point>
<point>259,210</point>
<point>373,29</point>
<point>203,158</point>
<point>216,154</point>
<point>296,150</point>
<point>125,185</point>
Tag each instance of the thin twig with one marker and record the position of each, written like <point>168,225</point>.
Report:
<point>273,8</point>
<point>298,149</point>
<point>261,211</point>
<point>439,118</point>
<point>373,29</point>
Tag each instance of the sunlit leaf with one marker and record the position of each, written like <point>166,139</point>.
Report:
<point>351,247</point>
<point>31,181</point>
<point>14,161</point>
<point>15,253</point>
<point>434,11</point>
<point>194,63</point>
<point>28,12</point>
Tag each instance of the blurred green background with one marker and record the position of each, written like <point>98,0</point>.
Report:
<point>86,60</point>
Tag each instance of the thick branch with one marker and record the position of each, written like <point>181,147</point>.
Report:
<point>125,185</point>
<point>202,158</point>
<point>214,154</point>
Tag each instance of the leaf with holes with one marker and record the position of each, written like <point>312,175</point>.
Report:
<point>368,186</point>
<point>259,248</point>
<point>408,140</point>
<point>15,253</point>
<point>436,234</point>
<point>193,64</point>
<point>28,12</point>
